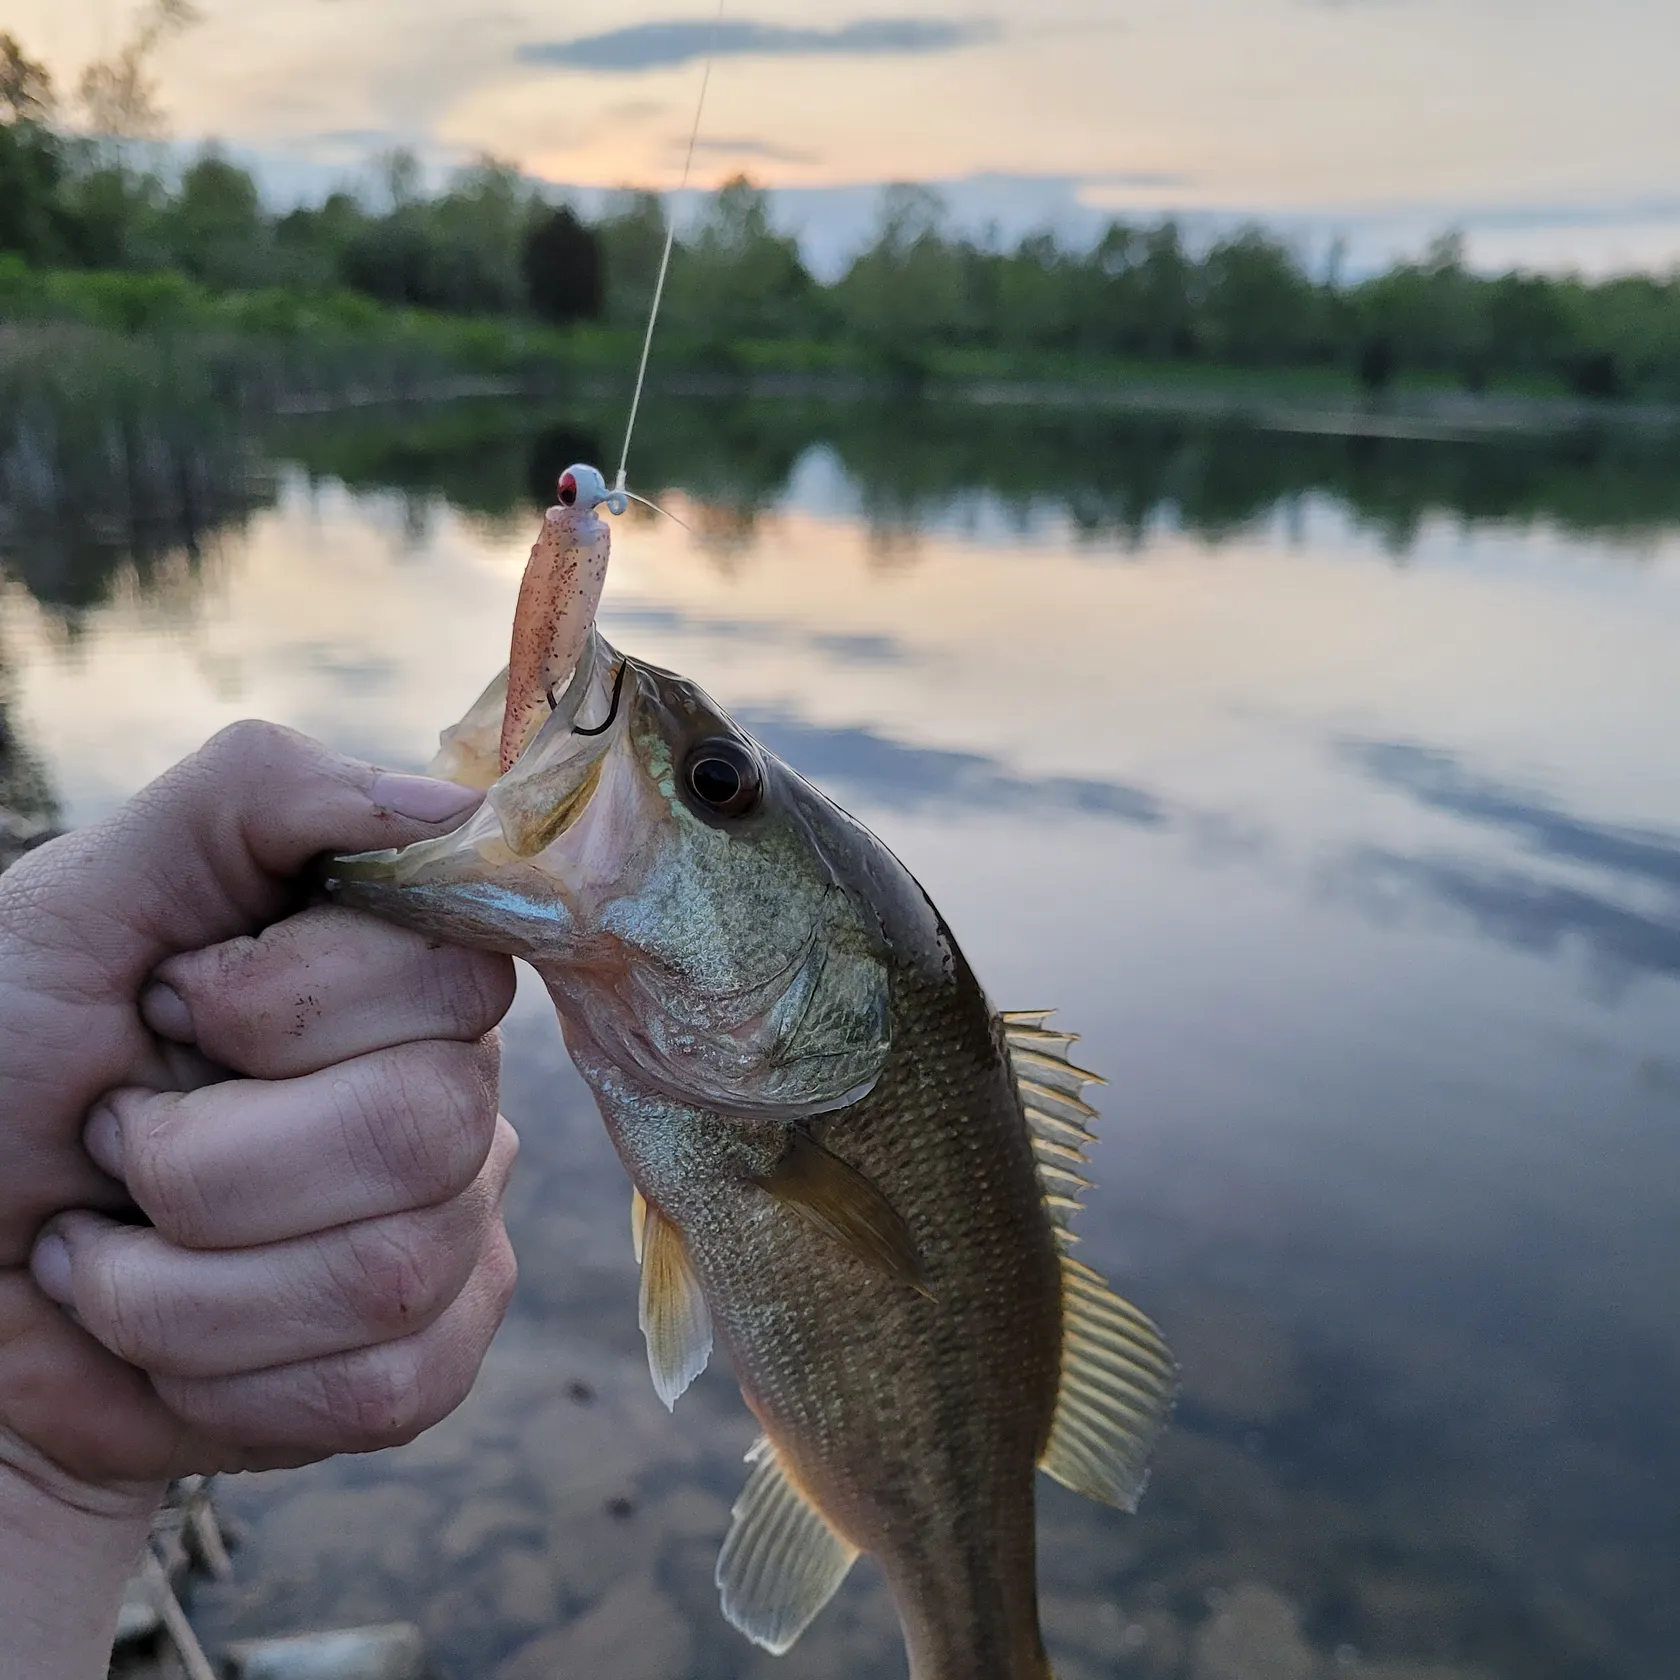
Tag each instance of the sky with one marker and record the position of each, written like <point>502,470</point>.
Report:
<point>1548,130</point>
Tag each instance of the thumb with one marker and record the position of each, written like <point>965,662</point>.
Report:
<point>212,849</point>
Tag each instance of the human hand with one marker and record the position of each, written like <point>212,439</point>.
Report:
<point>324,1263</point>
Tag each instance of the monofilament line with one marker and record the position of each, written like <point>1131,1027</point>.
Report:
<point>665,255</point>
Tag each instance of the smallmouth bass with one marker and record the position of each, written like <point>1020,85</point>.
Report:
<point>846,1164</point>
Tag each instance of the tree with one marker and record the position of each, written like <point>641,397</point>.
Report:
<point>215,227</point>
<point>119,93</point>
<point>26,94</point>
<point>31,159</point>
<point>632,240</point>
<point>737,278</point>
<point>562,267</point>
<point>906,292</point>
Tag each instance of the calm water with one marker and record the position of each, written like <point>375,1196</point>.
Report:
<point>1330,790</point>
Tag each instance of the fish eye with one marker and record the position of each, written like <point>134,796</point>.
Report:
<point>724,776</point>
<point>568,490</point>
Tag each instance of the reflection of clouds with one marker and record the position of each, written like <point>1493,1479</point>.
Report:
<point>1515,906</point>
<point>905,778</point>
<point>844,648</point>
<point>1516,909</point>
<point>1437,779</point>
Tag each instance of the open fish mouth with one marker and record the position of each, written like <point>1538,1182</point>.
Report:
<point>526,810</point>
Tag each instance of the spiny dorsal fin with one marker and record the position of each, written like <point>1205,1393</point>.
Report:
<point>1118,1385</point>
<point>781,1562</point>
<point>1118,1377</point>
<point>840,1202</point>
<point>1048,1083</point>
<point>673,1314</point>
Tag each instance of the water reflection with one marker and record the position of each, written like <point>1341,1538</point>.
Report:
<point>1356,876</point>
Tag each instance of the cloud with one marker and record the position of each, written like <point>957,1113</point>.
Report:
<point>679,41</point>
<point>750,148</point>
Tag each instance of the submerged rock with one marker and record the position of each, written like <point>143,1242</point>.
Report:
<point>391,1651</point>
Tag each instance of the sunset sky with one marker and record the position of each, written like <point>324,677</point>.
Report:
<point>1549,129</point>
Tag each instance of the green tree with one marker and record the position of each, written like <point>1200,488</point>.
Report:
<point>214,226</point>
<point>905,294</point>
<point>31,159</point>
<point>1258,305</point>
<point>562,265</point>
<point>737,278</point>
<point>632,237</point>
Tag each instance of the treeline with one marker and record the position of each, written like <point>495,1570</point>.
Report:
<point>918,301</point>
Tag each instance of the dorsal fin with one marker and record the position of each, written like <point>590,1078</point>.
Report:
<point>781,1562</point>
<point>1118,1376</point>
<point>673,1314</point>
<point>1118,1385</point>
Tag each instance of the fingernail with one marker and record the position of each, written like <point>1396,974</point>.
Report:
<point>423,797</point>
<point>50,1267</point>
<point>102,1139</point>
<point>165,1011</point>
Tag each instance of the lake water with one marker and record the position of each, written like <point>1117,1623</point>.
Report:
<point>1330,789</point>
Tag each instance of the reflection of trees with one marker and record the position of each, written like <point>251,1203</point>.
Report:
<point>113,454</point>
<point>148,488</point>
<point>28,810</point>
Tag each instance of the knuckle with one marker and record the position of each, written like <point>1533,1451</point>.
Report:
<point>433,1120</point>
<point>475,989</point>
<point>245,745</point>
<point>123,1314</point>
<point>502,1274</point>
<point>395,1274</point>
<point>374,1399</point>
<point>163,1177</point>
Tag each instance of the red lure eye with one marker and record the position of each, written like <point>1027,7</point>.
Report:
<point>568,489</point>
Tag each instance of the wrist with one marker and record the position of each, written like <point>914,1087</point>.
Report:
<point>66,1553</point>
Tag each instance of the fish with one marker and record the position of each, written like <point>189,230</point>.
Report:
<point>847,1165</point>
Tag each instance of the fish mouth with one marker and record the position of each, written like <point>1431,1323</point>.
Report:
<point>526,810</point>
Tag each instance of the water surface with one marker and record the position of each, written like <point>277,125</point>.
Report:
<point>1330,791</point>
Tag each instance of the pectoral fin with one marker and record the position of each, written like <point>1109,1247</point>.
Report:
<point>675,1319</point>
<point>781,1562</point>
<point>841,1203</point>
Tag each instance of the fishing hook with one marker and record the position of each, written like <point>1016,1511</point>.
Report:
<point>612,709</point>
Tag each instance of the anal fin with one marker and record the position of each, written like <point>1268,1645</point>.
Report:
<point>781,1562</point>
<point>675,1320</point>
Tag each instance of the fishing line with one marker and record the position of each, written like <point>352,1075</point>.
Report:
<point>665,257</point>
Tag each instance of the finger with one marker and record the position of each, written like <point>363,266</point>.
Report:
<point>192,1313</point>
<point>253,1161</point>
<point>322,987</point>
<point>209,850</point>
<point>360,1401</point>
